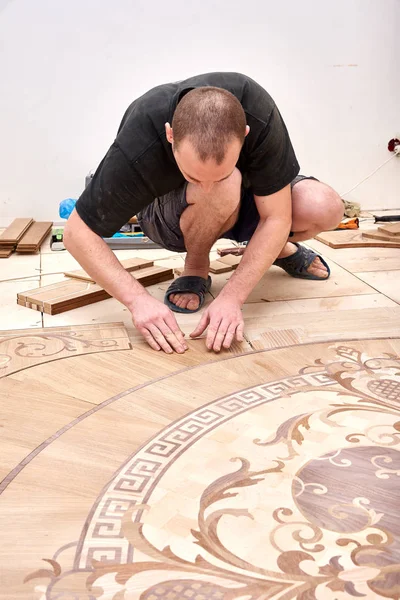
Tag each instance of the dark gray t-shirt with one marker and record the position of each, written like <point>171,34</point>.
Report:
<point>140,165</point>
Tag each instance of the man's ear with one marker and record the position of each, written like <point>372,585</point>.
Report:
<point>247,130</point>
<point>169,132</point>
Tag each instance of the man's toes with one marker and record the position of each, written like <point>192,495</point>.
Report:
<point>193,303</point>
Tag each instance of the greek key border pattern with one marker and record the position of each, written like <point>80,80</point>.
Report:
<point>104,539</point>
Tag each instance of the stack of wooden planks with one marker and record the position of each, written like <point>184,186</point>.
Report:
<point>13,235</point>
<point>34,237</point>
<point>23,235</point>
<point>80,290</point>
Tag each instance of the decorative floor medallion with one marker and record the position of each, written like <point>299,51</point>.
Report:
<point>288,489</point>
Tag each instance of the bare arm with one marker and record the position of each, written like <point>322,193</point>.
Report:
<point>152,318</point>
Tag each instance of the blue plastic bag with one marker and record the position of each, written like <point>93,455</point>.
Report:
<point>66,207</point>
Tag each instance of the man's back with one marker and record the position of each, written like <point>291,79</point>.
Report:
<point>140,164</point>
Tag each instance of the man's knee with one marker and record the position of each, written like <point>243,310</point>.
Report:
<point>332,208</point>
<point>316,206</point>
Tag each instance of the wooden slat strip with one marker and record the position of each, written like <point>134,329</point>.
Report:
<point>15,231</point>
<point>130,264</point>
<point>34,236</point>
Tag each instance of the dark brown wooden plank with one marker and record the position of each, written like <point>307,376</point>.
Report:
<point>74,293</point>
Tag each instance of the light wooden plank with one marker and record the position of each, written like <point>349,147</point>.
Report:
<point>352,239</point>
<point>359,259</point>
<point>35,235</point>
<point>320,326</point>
<point>231,260</point>
<point>217,266</point>
<point>386,282</point>
<point>129,264</point>
<point>391,229</point>
<point>379,235</point>
<point>15,231</point>
<point>278,285</point>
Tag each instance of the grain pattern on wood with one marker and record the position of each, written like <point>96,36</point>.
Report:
<point>391,229</point>
<point>379,235</point>
<point>230,260</point>
<point>73,293</point>
<point>24,348</point>
<point>279,435</point>
<point>33,238</point>
<point>130,264</point>
<point>15,231</point>
<point>352,239</point>
<point>217,266</point>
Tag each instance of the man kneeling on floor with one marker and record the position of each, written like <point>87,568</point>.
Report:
<point>198,160</point>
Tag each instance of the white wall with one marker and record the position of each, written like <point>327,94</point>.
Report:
<point>69,69</point>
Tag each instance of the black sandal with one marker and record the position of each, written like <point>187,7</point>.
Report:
<point>189,284</point>
<point>297,264</point>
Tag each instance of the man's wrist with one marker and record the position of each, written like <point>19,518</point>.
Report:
<point>232,295</point>
<point>139,296</point>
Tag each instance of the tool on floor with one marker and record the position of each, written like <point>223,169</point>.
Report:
<point>387,218</point>
<point>56,241</point>
<point>353,223</point>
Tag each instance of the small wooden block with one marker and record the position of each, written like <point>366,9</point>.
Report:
<point>130,264</point>
<point>231,260</point>
<point>15,231</point>
<point>217,266</point>
<point>392,229</point>
<point>178,271</point>
<point>378,235</point>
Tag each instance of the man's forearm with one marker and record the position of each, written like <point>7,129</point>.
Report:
<point>99,261</point>
<point>263,248</point>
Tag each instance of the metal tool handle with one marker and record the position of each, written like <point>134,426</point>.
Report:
<point>387,219</point>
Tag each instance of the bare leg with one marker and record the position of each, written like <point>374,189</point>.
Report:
<point>316,207</point>
<point>208,215</point>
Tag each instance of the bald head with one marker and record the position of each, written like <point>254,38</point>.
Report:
<point>210,119</point>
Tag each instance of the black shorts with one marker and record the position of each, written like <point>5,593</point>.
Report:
<point>160,220</point>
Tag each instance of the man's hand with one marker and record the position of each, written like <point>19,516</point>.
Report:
<point>157,324</point>
<point>224,320</point>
